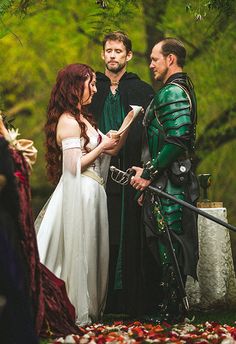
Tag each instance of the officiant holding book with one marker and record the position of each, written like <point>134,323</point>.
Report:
<point>117,89</point>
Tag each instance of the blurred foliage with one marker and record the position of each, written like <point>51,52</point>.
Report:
<point>43,36</point>
<point>17,7</point>
<point>201,8</point>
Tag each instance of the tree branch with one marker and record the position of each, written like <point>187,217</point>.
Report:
<point>153,11</point>
<point>220,24</point>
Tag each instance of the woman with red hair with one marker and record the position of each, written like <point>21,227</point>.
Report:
<point>73,226</point>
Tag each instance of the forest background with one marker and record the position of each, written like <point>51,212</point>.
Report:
<point>39,37</point>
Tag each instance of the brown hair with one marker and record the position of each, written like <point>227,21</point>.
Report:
<point>66,94</point>
<point>118,36</point>
<point>176,47</point>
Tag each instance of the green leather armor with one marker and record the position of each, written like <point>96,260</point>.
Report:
<point>170,123</point>
<point>169,130</point>
<point>169,126</point>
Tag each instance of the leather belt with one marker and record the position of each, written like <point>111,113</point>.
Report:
<point>94,176</point>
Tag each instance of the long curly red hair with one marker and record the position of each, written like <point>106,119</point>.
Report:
<point>66,95</point>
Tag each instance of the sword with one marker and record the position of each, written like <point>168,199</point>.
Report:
<point>124,178</point>
<point>120,176</point>
<point>117,174</point>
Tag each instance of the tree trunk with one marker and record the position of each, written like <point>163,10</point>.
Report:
<point>153,11</point>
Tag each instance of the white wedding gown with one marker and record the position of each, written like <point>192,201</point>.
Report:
<point>73,230</point>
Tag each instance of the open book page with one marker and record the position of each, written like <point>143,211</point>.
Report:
<point>136,111</point>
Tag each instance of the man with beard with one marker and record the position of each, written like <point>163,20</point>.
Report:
<point>116,90</point>
<point>170,126</point>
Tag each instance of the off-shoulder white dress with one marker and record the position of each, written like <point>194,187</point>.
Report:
<point>73,230</point>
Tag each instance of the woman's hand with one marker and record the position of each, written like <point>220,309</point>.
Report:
<point>113,134</point>
<point>109,143</point>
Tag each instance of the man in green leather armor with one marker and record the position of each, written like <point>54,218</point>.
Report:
<point>170,123</point>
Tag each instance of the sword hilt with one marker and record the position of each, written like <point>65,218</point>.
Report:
<point>120,176</point>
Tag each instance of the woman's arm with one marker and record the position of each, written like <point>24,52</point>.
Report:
<point>106,145</point>
<point>68,127</point>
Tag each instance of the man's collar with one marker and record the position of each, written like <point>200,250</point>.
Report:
<point>125,76</point>
<point>179,75</point>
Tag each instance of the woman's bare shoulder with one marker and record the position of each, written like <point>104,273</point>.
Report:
<point>67,127</point>
<point>67,118</point>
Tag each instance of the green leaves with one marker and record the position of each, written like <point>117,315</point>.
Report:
<point>201,9</point>
<point>113,14</point>
<point>5,5</point>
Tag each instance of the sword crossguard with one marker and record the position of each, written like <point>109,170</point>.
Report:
<point>120,176</point>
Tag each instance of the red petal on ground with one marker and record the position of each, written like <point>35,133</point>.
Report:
<point>119,333</point>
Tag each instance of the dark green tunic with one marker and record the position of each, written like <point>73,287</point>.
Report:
<point>123,211</point>
<point>113,113</point>
<point>112,117</point>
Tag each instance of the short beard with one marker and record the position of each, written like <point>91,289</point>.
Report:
<point>117,69</point>
<point>162,76</point>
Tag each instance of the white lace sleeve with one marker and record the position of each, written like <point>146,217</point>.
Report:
<point>71,161</point>
<point>61,229</point>
<point>71,155</point>
<point>74,269</point>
